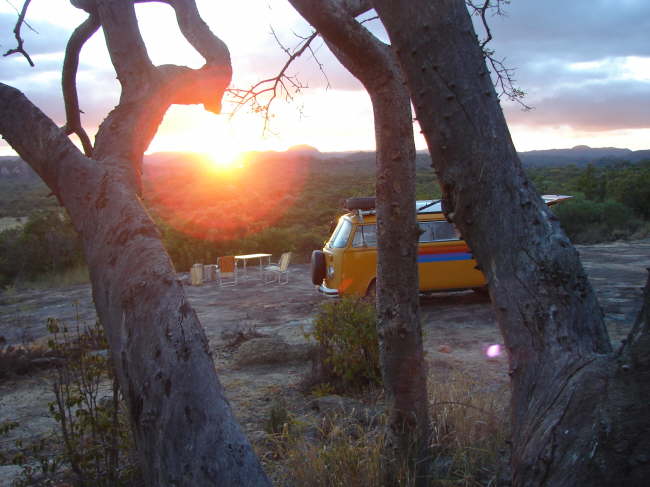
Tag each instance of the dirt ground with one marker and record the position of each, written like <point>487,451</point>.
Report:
<point>457,328</point>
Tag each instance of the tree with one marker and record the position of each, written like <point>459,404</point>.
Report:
<point>398,321</point>
<point>580,410</point>
<point>183,426</point>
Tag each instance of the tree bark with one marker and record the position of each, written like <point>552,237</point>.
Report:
<point>400,334</point>
<point>184,429</point>
<point>579,411</point>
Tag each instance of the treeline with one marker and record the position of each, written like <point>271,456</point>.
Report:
<point>611,202</point>
<point>46,244</point>
<point>277,205</point>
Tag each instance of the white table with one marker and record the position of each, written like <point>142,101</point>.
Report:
<point>260,257</point>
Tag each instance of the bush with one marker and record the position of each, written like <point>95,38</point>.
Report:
<point>46,244</point>
<point>348,352</point>
<point>94,437</point>
<point>587,221</point>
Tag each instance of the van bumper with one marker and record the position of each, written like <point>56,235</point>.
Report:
<point>327,291</point>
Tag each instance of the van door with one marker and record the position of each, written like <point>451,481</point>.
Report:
<point>360,260</point>
<point>444,260</point>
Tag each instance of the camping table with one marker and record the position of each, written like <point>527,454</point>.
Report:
<point>260,257</point>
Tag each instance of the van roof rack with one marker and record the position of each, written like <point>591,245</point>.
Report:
<point>367,205</point>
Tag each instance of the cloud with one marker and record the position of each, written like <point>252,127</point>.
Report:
<point>579,30</point>
<point>595,107</point>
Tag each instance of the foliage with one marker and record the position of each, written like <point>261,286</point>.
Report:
<point>587,221</point>
<point>93,439</point>
<point>281,202</point>
<point>612,201</point>
<point>348,353</point>
<point>46,244</point>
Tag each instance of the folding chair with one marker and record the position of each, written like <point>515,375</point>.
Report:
<point>279,270</point>
<point>227,272</point>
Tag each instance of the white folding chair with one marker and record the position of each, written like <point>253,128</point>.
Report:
<point>278,272</point>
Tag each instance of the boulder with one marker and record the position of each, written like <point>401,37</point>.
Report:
<point>270,350</point>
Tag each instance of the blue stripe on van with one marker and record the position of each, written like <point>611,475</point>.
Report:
<point>444,257</point>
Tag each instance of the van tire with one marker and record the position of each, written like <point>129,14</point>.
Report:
<point>367,203</point>
<point>317,267</point>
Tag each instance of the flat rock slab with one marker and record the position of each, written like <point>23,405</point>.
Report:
<point>457,327</point>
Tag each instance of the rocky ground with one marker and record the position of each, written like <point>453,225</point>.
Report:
<point>457,327</point>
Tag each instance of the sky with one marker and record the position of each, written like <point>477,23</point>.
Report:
<point>584,65</point>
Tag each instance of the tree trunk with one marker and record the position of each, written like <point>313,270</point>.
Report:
<point>184,429</point>
<point>183,426</point>
<point>579,411</point>
<point>400,334</point>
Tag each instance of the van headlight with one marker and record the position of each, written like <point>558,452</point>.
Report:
<point>330,271</point>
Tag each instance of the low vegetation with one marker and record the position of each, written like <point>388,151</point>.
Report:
<point>347,356</point>
<point>300,448</point>
<point>289,204</point>
<point>92,445</point>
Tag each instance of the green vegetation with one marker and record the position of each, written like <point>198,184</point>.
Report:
<point>46,245</point>
<point>93,444</point>
<point>611,202</point>
<point>348,348</point>
<point>279,202</point>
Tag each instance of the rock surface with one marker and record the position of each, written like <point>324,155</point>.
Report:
<point>457,330</point>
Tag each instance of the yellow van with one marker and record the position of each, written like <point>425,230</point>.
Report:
<point>347,265</point>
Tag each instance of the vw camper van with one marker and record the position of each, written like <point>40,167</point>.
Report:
<point>347,265</point>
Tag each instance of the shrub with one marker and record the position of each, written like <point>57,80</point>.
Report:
<point>47,243</point>
<point>94,439</point>
<point>587,221</point>
<point>348,352</point>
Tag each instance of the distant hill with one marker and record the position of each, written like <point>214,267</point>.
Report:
<point>13,168</point>
<point>581,155</point>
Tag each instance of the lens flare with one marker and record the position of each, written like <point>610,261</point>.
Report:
<point>493,351</point>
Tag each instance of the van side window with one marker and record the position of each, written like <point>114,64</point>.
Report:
<point>436,231</point>
<point>365,236</point>
<point>341,235</point>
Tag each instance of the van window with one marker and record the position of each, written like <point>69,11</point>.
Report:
<point>365,236</point>
<point>341,234</point>
<point>436,231</point>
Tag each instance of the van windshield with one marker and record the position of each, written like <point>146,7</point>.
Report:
<point>340,236</point>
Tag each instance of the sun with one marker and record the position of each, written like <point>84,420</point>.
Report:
<point>224,154</point>
<point>192,129</point>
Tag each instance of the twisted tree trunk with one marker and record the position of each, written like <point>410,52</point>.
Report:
<point>184,429</point>
<point>400,333</point>
<point>580,412</point>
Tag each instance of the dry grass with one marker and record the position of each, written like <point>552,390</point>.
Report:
<point>470,428</point>
<point>338,452</point>
<point>469,416</point>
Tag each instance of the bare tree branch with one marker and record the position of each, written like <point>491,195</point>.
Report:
<point>19,49</point>
<point>69,80</point>
<point>279,85</point>
<point>504,81</point>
